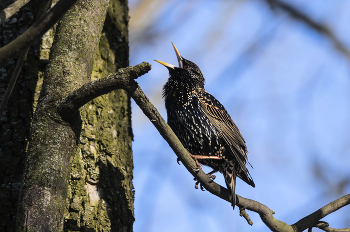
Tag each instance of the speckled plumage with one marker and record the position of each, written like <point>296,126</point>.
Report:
<point>203,125</point>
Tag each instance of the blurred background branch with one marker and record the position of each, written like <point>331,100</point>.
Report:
<point>323,29</point>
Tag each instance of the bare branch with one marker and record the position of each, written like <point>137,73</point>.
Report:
<point>325,226</point>
<point>328,229</point>
<point>124,79</point>
<point>313,219</point>
<point>244,214</point>
<point>121,80</point>
<point>319,27</point>
<point>11,9</point>
<point>35,32</point>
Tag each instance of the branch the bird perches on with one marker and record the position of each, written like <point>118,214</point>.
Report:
<point>125,79</point>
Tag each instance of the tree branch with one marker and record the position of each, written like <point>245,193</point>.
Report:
<point>313,219</point>
<point>244,214</point>
<point>328,229</point>
<point>35,32</point>
<point>320,28</point>
<point>11,9</point>
<point>325,226</point>
<point>125,79</point>
<point>22,57</point>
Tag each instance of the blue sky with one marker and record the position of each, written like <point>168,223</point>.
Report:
<point>284,85</point>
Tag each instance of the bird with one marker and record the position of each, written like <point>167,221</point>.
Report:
<point>203,125</point>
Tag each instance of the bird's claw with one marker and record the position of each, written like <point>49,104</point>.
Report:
<point>200,186</point>
<point>212,177</point>
<point>178,160</point>
<point>196,184</point>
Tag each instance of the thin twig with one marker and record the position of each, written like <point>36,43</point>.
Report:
<point>314,218</point>
<point>244,214</point>
<point>329,229</point>
<point>325,226</point>
<point>13,80</point>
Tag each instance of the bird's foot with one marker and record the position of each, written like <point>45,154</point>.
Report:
<point>178,160</point>
<point>212,177</point>
<point>196,184</point>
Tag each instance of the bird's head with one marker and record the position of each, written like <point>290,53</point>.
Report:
<point>187,74</point>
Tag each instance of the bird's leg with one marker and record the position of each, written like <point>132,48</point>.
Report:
<point>205,157</point>
<point>197,157</point>
<point>199,167</point>
<point>209,174</point>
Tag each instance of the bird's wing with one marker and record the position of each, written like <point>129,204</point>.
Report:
<point>227,129</point>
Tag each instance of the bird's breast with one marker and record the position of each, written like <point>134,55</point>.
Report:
<point>191,125</point>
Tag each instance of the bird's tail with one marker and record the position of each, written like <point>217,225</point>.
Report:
<point>230,179</point>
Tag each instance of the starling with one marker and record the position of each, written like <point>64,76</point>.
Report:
<point>203,125</point>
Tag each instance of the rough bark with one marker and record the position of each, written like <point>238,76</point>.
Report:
<point>15,120</point>
<point>78,173</point>
<point>101,192</point>
<point>42,202</point>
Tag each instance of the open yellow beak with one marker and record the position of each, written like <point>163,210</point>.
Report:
<point>179,59</point>
<point>166,64</point>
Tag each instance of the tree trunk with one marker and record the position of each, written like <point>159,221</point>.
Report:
<point>16,119</point>
<point>101,192</point>
<point>78,173</point>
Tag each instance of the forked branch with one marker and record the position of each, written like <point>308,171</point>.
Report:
<point>125,79</point>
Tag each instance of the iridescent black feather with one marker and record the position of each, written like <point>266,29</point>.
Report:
<point>203,125</point>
